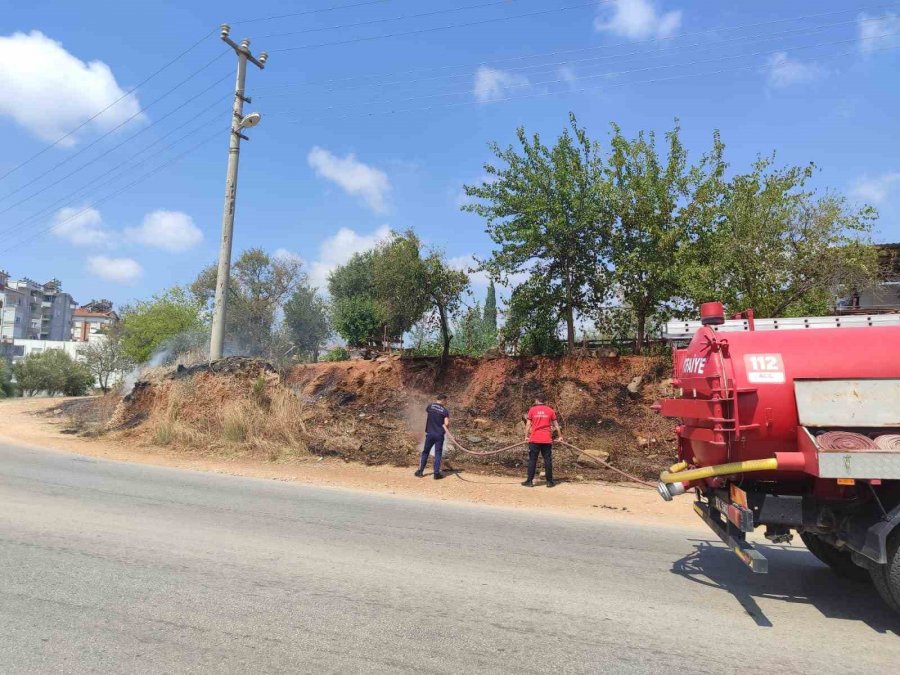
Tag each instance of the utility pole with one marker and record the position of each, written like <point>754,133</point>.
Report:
<point>238,122</point>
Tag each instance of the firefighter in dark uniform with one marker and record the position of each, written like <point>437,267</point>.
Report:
<point>435,429</point>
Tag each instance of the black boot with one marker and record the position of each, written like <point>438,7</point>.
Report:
<point>438,476</point>
<point>551,483</point>
<point>418,474</point>
<point>528,483</point>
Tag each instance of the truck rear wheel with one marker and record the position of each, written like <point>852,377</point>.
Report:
<point>839,561</point>
<point>886,578</point>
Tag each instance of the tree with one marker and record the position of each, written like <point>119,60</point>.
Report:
<point>443,288</point>
<point>106,358</point>
<point>660,209</point>
<point>400,283</point>
<point>259,285</point>
<point>148,325</point>
<point>356,313</point>
<point>529,329</point>
<point>380,295</point>
<point>779,248</point>
<point>306,320</point>
<point>54,372</point>
<point>546,209</point>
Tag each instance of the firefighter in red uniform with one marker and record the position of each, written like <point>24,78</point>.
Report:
<point>540,422</point>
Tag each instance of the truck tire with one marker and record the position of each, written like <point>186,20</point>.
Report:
<point>839,561</point>
<point>886,578</point>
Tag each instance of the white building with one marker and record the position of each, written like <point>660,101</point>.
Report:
<point>15,311</point>
<point>29,310</point>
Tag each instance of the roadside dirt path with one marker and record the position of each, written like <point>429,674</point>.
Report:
<point>21,424</point>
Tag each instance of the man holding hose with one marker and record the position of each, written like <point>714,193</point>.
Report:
<point>435,429</point>
<point>540,422</point>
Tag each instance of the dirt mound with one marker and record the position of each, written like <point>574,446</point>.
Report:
<point>373,411</point>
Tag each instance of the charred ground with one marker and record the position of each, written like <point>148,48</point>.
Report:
<point>372,411</point>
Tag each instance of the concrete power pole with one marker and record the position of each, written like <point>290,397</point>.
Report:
<point>238,122</point>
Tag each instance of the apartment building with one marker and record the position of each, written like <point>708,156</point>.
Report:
<point>90,320</point>
<point>15,311</point>
<point>35,311</point>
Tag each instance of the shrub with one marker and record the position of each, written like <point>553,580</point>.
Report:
<point>53,372</point>
<point>336,354</point>
<point>7,388</point>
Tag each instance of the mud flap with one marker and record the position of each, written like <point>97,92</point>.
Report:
<point>752,558</point>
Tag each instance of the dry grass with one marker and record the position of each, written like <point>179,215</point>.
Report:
<point>229,416</point>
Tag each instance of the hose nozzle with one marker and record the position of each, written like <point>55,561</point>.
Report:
<point>669,490</point>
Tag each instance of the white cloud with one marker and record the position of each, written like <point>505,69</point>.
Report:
<point>491,83</point>
<point>877,189</point>
<point>120,270</point>
<point>339,248</point>
<point>169,230</point>
<point>638,20</point>
<point>355,178</point>
<point>783,71</point>
<point>878,32</point>
<point>48,91</point>
<point>81,226</point>
<point>290,256</point>
<point>567,74</point>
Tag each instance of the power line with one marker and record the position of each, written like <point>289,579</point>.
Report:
<point>760,37</point>
<point>612,73</point>
<point>575,51</point>
<point>100,112</point>
<point>116,192</point>
<point>373,22</point>
<point>111,131</point>
<point>307,12</point>
<point>569,91</point>
<point>440,28</point>
<point>85,187</point>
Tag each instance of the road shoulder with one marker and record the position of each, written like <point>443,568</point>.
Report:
<point>22,425</point>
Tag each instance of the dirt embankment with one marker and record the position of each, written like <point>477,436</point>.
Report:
<point>373,411</point>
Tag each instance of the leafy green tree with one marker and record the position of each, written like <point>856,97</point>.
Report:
<point>382,294</point>
<point>780,248</point>
<point>147,325</point>
<point>472,337</point>
<point>661,207</point>
<point>53,372</point>
<point>106,358</point>
<point>443,288</point>
<point>546,210</point>
<point>357,315</point>
<point>358,319</point>
<point>399,276</point>
<point>530,330</point>
<point>258,287</point>
<point>306,320</point>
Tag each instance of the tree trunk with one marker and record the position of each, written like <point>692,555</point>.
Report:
<point>641,329</point>
<point>445,334</point>
<point>570,316</point>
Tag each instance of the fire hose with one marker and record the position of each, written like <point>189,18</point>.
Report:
<point>564,443</point>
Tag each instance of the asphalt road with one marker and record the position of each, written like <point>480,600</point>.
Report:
<point>113,567</point>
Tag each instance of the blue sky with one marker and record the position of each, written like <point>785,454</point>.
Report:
<point>360,135</point>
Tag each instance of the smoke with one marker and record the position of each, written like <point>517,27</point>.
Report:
<point>191,346</point>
